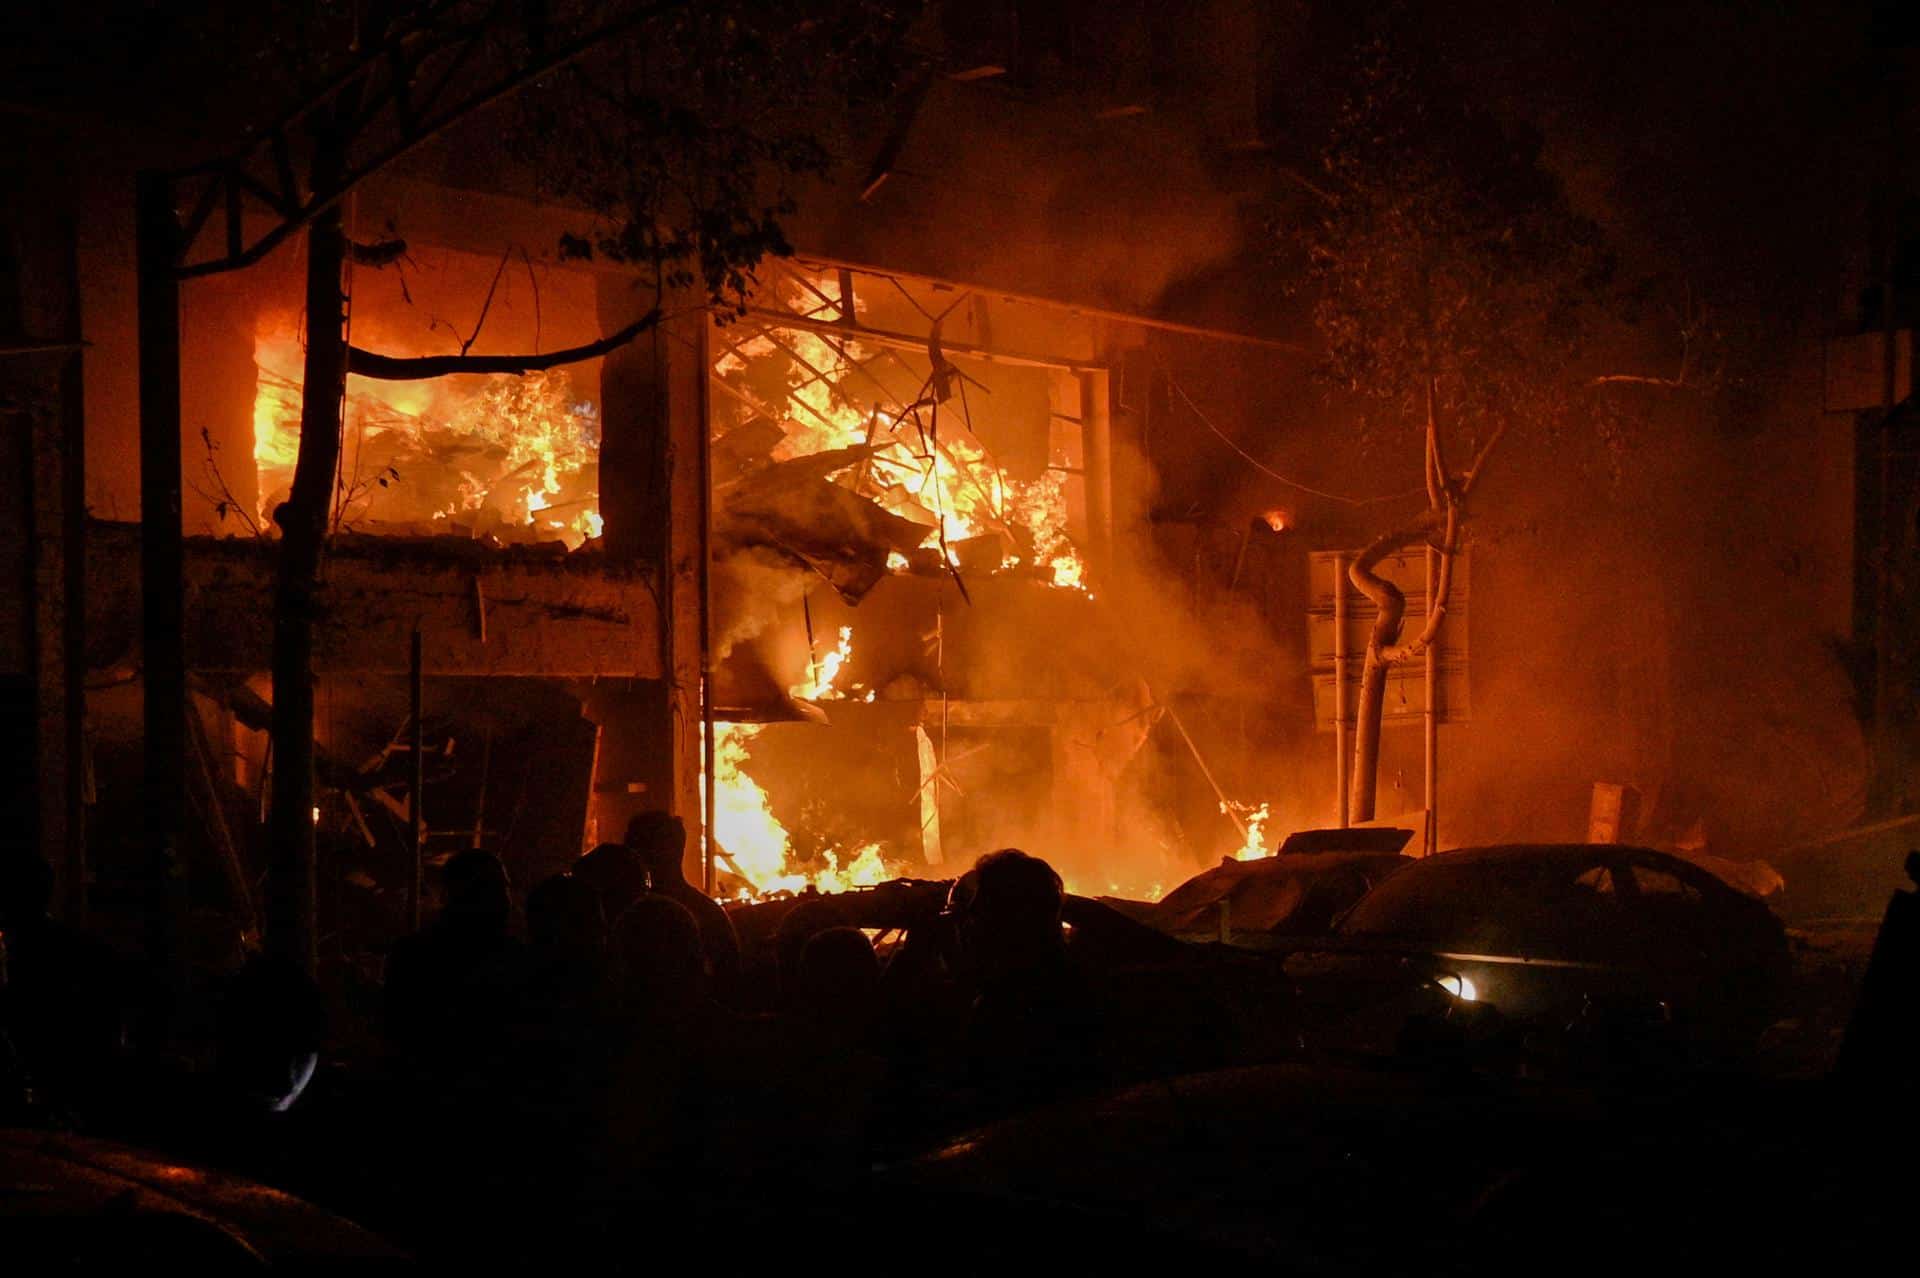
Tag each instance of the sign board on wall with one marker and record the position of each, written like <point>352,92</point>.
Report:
<point>1406,696</point>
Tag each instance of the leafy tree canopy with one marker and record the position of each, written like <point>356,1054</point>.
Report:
<point>681,135</point>
<point>1444,254</point>
<point>685,142</point>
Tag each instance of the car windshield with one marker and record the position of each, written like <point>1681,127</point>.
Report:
<point>1491,907</point>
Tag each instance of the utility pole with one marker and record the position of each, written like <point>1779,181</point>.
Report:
<point>157,242</point>
<point>1888,786</point>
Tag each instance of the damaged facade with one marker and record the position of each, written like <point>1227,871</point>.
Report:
<point>952,537</point>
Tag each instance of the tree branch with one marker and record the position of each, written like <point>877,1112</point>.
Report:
<point>1681,380</point>
<point>1480,460</point>
<point>1437,605</point>
<point>1439,481</point>
<point>1387,599</point>
<point>1641,379</point>
<point>1304,183</point>
<point>391,368</point>
<point>487,305</point>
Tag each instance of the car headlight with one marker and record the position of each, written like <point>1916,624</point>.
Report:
<point>1459,986</point>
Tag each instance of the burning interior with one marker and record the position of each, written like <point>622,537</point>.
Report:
<point>420,482</point>
<point>510,458</point>
<point>910,514</point>
<point>868,483</point>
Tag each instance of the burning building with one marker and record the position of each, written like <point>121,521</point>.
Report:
<point>989,519</point>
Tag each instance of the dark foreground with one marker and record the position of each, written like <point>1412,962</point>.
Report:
<point>985,1090</point>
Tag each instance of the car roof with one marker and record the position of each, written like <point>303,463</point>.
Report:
<point>1507,853</point>
<point>1219,879</point>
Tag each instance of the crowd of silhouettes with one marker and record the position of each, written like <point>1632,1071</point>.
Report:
<point>615,1048</point>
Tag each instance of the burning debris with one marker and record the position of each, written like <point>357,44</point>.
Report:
<point>751,840</point>
<point>896,430</point>
<point>848,459</point>
<point>515,458</point>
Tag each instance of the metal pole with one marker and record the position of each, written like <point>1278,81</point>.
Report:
<point>1097,436</point>
<point>710,846</point>
<point>1342,743</point>
<point>416,819</point>
<point>1226,805</point>
<point>73,514</point>
<point>709,843</point>
<point>1884,793</point>
<point>1431,842</point>
<point>163,656</point>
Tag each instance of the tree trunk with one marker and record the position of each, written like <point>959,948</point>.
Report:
<point>1446,498</point>
<point>1392,606</point>
<point>163,652</point>
<point>303,521</point>
<point>1366,737</point>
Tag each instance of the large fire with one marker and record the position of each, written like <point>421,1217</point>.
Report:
<point>757,847</point>
<point>513,458</point>
<point>923,462</point>
<point>927,463</point>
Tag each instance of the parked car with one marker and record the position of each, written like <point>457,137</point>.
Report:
<point>1618,947</point>
<point>1315,1170</point>
<point>84,1205</point>
<point>1099,934</point>
<point>1174,1006</point>
<point>1274,899</point>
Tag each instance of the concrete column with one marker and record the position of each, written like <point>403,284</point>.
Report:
<point>653,496</point>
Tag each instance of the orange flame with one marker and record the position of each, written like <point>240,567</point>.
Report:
<point>506,452</point>
<point>1254,817</point>
<point>756,843</point>
<point>926,465</point>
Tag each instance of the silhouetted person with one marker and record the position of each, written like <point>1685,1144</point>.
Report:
<point>271,1026</point>
<point>837,982</point>
<point>63,995</point>
<point>456,996</point>
<point>817,1083</point>
<point>255,1112</point>
<point>808,917</point>
<point>570,990</point>
<point>454,988</point>
<point>1035,1029</point>
<point>617,873</point>
<point>564,1030</point>
<point>662,959</point>
<point>567,943</point>
<point>653,1112</point>
<point>660,838</point>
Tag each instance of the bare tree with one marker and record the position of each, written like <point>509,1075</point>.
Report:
<point>675,129</point>
<point>1461,297</point>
